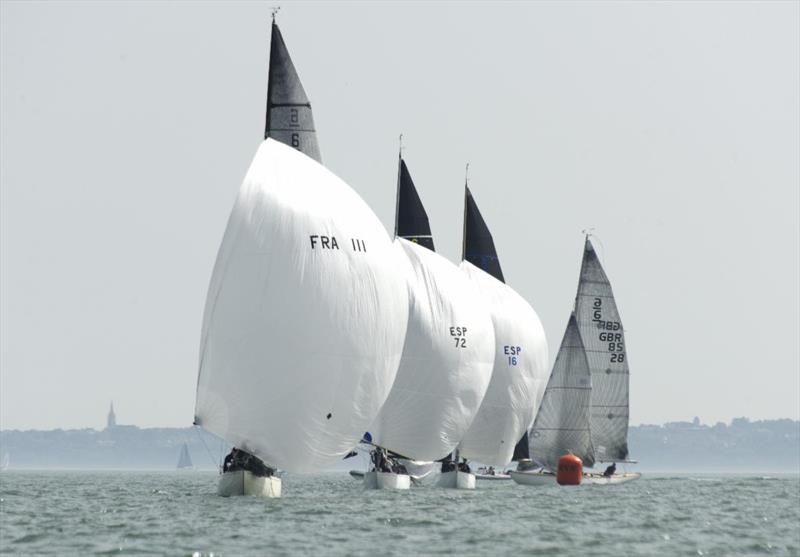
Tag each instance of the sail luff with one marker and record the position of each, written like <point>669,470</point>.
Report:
<point>604,340</point>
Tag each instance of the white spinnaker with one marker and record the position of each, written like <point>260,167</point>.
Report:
<point>518,378</point>
<point>447,360</point>
<point>301,339</point>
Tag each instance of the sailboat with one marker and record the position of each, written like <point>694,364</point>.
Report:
<point>306,312</point>
<point>447,358</point>
<point>604,341</point>
<point>589,421</point>
<point>520,360</point>
<point>184,460</point>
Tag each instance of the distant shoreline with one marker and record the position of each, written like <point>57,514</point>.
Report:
<point>742,447</point>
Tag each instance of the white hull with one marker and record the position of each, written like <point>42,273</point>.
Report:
<point>386,480</point>
<point>599,479</point>
<point>547,478</point>
<point>492,477</point>
<point>455,479</point>
<point>534,477</point>
<point>242,482</point>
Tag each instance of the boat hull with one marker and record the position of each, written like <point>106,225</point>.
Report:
<point>357,474</point>
<point>386,480</point>
<point>599,479</point>
<point>492,477</point>
<point>242,482</point>
<point>534,477</point>
<point>456,479</point>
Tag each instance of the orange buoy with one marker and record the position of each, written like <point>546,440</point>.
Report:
<point>570,470</point>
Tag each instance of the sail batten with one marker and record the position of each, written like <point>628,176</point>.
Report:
<point>603,337</point>
<point>289,118</point>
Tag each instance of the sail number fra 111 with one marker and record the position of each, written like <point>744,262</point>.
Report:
<point>329,242</point>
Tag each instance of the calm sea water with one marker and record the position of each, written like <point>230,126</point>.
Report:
<point>102,513</point>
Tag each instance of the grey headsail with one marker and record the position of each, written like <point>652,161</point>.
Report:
<point>479,250</point>
<point>289,117</point>
<point>604,341</point>
<point>562,424</point>
<point>184,460</point>
<point>411,220</point>
<point>478,246</point>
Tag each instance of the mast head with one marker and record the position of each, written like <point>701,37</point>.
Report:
<point>275,10</point>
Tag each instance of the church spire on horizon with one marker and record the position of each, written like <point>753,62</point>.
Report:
<point>111,420</point>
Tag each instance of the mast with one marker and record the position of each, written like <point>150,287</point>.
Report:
<point>289,118</point>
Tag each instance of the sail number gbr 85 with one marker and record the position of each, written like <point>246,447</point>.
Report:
<point>616,344</point>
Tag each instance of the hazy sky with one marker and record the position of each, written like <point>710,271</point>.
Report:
<point>673,129</point>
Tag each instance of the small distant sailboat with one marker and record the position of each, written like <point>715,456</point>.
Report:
<point>520,360</point>
<point>185,460</point>
<point>5,462</point>
<point>585,407</point>
<point>306,312</point>
<point>447,358</point>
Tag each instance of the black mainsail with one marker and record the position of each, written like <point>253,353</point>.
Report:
<point>604,341</point>
<point>289,117</point>
<point>478,249</point>
<point>411,220</point>
<point>562,423</point>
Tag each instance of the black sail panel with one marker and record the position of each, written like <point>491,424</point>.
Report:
<point>604,340</point>
<point>289,117</point>
<point>411,220</point>
<point>522,449</point>
<point>478,243</point>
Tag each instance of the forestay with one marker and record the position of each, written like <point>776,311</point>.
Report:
<point>604,341</point>
<point>518,377</point>
<point>562,423</point>
<point>446,365</point>
<point>289,116</point>
<point>305,317</point>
